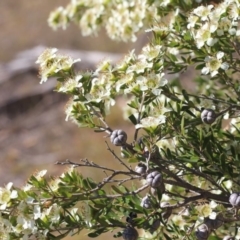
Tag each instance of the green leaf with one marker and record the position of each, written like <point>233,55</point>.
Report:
<point>117,190</point>
<point>185,95</point>
<point>97,233</point>
<point>182,126</point>
<point>200,66</point>
<point>133,119</point>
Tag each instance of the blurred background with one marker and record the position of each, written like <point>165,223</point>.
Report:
<point>33,131</point>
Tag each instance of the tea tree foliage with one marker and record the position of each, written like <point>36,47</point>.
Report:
<point>186,147</point>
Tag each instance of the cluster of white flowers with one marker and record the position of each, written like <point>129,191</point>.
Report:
<point>122,19</point>
<point>51,63</point>
<point>208,23</point>
<point>135,74</point>
<point>27,211</point>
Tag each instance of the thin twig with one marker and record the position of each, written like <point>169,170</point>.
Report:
<point>214,99</point>
<point>107,128</point>
<point>86,164</point>
<point>116,157</point>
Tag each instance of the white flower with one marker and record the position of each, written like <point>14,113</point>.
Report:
<point>70,84</point>
<point>50,63</point>
<point>6,195</point>
<point>213,204</point>
<point>225,24</point>
<point>214,63</point>
<point>39,175</point>
<point>192,21</point>
<point>47,55</point>
<point>54,184</point>
<point>58,18</point>
<point>101,91</point>
<point>139,67</point>
<point>213,215</point>
<point>234,11</point>
<point>64,63</point>
<point>232,31</point>
<point>203,35</point>
<point>228,184</point>
<point>103,67</point>
<point>152,82</point>
<point>178,221</point>
<point>53,213</point>
<point>150,52</point>
<point>218,11</point>
<point>74,214</point>
<point>151,122</point>
<point>37,212</point>
<point>204,210</point>
<point>89,20</point>
<point>26,223</point>
<point>27,187</point>
<point>203,12</point>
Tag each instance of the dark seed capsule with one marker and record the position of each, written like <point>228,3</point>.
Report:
<point>155,226</point>
<point>118,137</point>
<point>166,211</point>
<point>146,202</point>
<point>234,199</point>
<point>130,233</point>
<point>154,179</point>
<point>208,116</point>
<point>213,223</point>
<point>141,168</point>
<point>132,215</point>
<point>202,232</point>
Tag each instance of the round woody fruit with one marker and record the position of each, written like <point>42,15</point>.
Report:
<point>234,199</point>
<point>202,232</point>
<point>118,137</point>
<point>213,223</point>
<point>130,233</point>
<point>154,179</point>
<point>160,189</point>
<point>141,168</point>
<point>155,226</point>
<point>208,116</point>
<point>167,211</point>
<point>146,202</point>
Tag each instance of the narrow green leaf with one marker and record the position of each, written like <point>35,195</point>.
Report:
<point>97,233</point>
<point>182,125</point>
<point>132,119</point>
<point>185,95</point>
<point>116,189</point>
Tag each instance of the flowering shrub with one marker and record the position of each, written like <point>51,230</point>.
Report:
<point>186,144</point>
